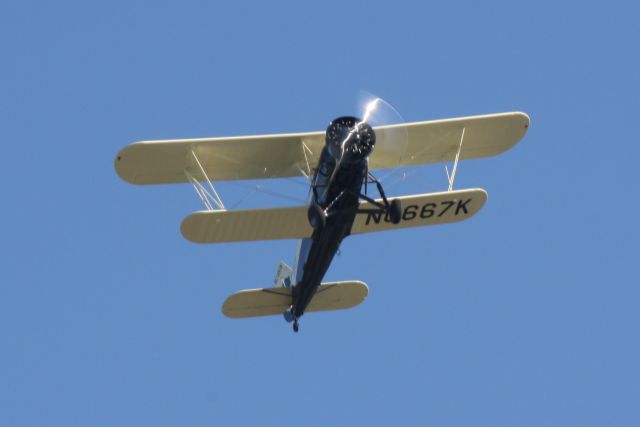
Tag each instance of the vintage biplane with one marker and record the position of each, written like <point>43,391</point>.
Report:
<point>338,165</point>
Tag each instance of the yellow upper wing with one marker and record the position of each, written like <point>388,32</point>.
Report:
<point>285,155</point>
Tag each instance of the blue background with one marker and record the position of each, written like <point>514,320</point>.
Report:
<point>526,314</point>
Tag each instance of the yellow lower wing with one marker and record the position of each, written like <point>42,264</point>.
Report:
<point>292,223</point>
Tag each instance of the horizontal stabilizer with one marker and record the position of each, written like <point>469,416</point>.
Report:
<point>292,222</point>
<point>285,155</point>
<point>270,301</point>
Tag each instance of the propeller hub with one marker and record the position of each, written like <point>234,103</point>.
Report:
<point>349,139</point>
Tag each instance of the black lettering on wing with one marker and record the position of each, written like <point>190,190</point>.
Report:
<point>427,210</point>
<point>376,217</point>
<point>462,206</point>
<point>410,212</point>
<point>449,203</point>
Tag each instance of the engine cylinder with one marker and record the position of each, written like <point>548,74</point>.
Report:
<point>349,139</point>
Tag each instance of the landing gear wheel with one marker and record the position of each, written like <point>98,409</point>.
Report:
<point>295,325</point>
<point>317,217</point>
<point>395,211</point>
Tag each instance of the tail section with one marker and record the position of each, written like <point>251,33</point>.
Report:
<point>272,301</point>
<point>284,276</point>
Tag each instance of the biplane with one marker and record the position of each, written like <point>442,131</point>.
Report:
<point>338,164</point>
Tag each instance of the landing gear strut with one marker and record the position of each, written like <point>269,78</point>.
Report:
<point>393,209</point>
<point>295,325</point>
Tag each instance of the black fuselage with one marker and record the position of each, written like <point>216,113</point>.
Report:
<point>335,189</point>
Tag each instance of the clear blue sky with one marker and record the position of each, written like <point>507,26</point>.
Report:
<point>525,315</point>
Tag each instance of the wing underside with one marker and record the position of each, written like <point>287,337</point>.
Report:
<point>286,155</point>
<point>292,223</point>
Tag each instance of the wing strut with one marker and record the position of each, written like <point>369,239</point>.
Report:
<point>306,149</point>
<point>212,202</point>
<point>452,177</point>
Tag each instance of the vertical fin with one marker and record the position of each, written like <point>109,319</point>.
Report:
<point>283,276</point>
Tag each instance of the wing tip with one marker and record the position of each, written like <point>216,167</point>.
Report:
<point>123,167</point>
<point>190,230</point>
<point>525,118</point>
<point>519,126</point>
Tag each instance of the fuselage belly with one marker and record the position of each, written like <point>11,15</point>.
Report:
<point>338,195</point>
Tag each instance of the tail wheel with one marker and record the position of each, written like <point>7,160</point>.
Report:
<point>395,211</point>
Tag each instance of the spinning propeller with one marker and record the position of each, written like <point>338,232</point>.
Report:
<point>351,138</point>
<point>391,136</point>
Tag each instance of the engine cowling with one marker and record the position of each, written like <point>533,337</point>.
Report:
<point>349,139</point>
